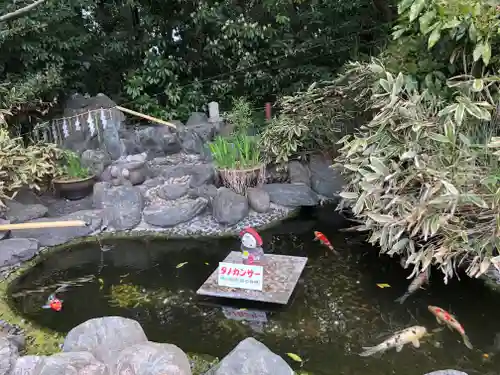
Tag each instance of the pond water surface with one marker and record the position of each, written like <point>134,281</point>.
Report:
<point>337,307</point>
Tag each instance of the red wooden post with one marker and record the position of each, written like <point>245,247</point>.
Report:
<point>268,111</point>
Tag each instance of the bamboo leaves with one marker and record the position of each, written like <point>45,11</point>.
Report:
<point>416,177</point>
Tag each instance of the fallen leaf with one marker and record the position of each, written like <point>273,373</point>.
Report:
<point>181,265</point>
<point>242,309</point>
<point>486,355</point>
<point>207,263</point>
<point>383,285</point>
<point>294,356</point>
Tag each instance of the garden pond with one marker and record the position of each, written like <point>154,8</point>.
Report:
<point>336,308</point>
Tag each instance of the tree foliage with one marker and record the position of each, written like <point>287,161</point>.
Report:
<point>171,58</point>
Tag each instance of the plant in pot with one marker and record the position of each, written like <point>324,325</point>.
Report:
<point>238,162</point>
<point>74,181</point>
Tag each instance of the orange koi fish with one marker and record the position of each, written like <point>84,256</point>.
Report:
<point>318,236</point>
<point>444,317</point>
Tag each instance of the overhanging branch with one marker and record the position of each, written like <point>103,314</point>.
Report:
<point>20,12</point>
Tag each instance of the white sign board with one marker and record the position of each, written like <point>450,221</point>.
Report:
<point>243,314</point>
<point>240,276</point>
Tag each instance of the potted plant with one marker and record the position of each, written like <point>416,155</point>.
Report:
<point>74,181</point>
<point>238,162</point>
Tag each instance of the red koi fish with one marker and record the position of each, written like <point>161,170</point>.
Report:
<point>53,302</point>
<point>444,317</point>
<point>318,236</point>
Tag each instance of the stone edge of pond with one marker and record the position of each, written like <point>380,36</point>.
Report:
<point>43,341</point>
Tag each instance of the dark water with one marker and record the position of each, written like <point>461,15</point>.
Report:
<point>336,309</point>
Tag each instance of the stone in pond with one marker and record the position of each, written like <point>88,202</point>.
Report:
<point>281,275</point>
<point>174,212</point>
<point>58,236</point>
<point>251,357</point>
<point>16,250</point>
<point>152,358</point>
<point>228,207</point>
<point>104,337</point>
<point>258,200</point>
<point>77,363</point>
<point>291,195</point>
<point>122,205</point>
<point>446,372</point>
<point>8,356</point>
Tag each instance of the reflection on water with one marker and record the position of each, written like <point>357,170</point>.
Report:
<point>336,309</point>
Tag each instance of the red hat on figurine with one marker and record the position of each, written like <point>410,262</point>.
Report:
<point>254,233</point>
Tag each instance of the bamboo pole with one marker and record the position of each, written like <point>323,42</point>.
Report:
<point>44,224</point>
<point>147,117</point>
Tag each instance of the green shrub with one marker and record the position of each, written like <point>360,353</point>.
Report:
<point>71,167</point>
<point>421,175</point>
<point>24,166</point>
<point>309,122</point>
<point>240,116</point>
<point>236,152</point>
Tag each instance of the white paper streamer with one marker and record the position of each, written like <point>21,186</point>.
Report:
<point>54,132</point>
<point>78,126</point>
<point>104,120</point>
<point>65,128</point>
<point>91,124</point>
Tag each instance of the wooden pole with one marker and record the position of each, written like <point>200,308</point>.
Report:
<point>147,117</point>
<point>44,224</point>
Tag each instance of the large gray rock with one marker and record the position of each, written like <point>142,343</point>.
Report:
<point>16,250</point>
<point>299,173</point>
<point>173,191</point>
<point>151,358</point>
<point>325,180</point>
<point>201,174</point>
<point>96,161</point>
<point>105,338</point>
<point>122,206</point>
<point>158,140</point>
<point>20,213</point>
<point>251,357</point>
<point>58,236</point>
<point>228,207</point>
<point>175,212</point>
<point>77,363</point>
<point>258,199</point>
<point>108,139</point>
<point>291,195</point>
<point>446,372</point>
<point>196,133</point>
<point>8,356</point>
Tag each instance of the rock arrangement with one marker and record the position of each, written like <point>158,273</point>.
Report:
<point>118,346</point>
<point>162,181</point>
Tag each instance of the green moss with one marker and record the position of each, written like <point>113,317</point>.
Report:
<point>38,340</point>
<point>201,363</point>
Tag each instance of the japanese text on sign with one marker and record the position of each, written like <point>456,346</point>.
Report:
<point>240,276</point>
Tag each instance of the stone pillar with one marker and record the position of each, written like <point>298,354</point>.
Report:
<point>213,112</point>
